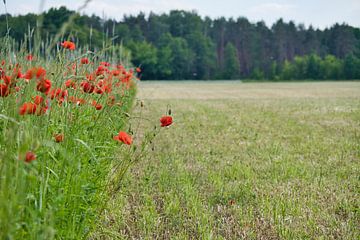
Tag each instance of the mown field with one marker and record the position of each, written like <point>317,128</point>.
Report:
<point>244,160</point>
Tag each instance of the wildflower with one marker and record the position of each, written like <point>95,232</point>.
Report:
<point>29,57</point>
<point>166,121</point>
<point>70,84</point>
<point>38,99</point>
<point>68,45</point>
<point>27,108</point>
<point>54,93</point>
<point>58,93</point>
<point>84,61</point>
<point>107,88</point>
<point>101,70</point>
<point>99,90</point>
<point>98,106</point>
<point>115,72</point>
<point>7,79</point>
<point>29,157</point>
<point>90,77</point>
<point>138,69</point>
<point>44,86</point>
<point>40,72</point>
<point>106,64</point>
<point>123,137</point>
<point>4,90</point>
<point>87,87</point>
<point>29,74</point>
<point>59,137</point>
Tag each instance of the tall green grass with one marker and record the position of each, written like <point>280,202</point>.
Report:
<point>61,194</point>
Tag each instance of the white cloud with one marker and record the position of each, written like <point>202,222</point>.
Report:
<point>272,8</point>
<point>113,10</point>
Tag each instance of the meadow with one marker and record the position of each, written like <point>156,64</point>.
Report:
<point>88,151</point>
<point>243,161</point>
<point>63,129</point>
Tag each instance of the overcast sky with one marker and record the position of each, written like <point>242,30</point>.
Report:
<point>319,13</point>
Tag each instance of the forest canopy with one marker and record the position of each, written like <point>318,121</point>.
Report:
<point>184,45</point>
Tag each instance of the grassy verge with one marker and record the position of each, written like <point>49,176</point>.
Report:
<point>256,168</point>
<point>57,122</point>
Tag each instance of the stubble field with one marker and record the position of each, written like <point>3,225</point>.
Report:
<point>245,160</point>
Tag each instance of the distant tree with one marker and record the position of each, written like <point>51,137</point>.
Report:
<point>331,68</point>
<point>203,48</point>
<point>183,45</point>
<point>287,72</point>
<point>144,54</point>
<point>182,59</point>
<point>351,67</point>
<point>313,67</point>
<point>232,65</point>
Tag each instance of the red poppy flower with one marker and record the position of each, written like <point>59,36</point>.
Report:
<point>99,90</point>
<point>98,106</point>
<point>59,137</point>
<point>166,121</point>
<point>138,69</point>
<point>29,74</point>
<point>68,45</point>
<point>29,57</point>
<point>123,137</point>
<point>58,93</point>
<point>29,157</point>
<point>38,99</point>
<point>87,87</point>
<point>40,72</point>
<point>106,64</point>
<point>4,90</point>
<point>90,77</point>
<point>115,72</point>
<point>44,86</point>
<point>107,88</point>
<point>84,61</point>
<point>7,79</point>
<point>70,84</point>
<point>27,108</point>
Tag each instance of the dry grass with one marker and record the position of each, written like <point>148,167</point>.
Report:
<point>250,166</point>
<point>238,90</point>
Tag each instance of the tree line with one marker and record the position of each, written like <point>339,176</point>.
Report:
<point>183,45</point>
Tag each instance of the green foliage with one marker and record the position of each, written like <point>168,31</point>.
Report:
<point>201,44</point>
<point>314,67</point>
<point>232,64</point>
<point>61,194</point>
<point>144,54</point>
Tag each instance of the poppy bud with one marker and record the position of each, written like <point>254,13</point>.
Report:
<point>29,157</point>
<point>59,137</point>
